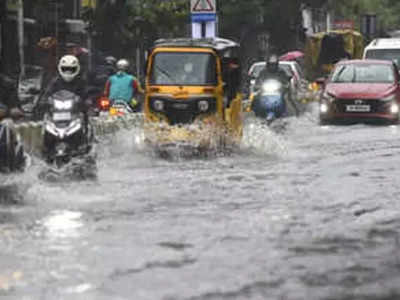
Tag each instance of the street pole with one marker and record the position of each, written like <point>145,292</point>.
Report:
<point>21,36</point>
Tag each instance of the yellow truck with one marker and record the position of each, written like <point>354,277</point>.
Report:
<point>324,49</point>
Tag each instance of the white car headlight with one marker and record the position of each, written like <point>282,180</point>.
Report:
<point>58,104</point>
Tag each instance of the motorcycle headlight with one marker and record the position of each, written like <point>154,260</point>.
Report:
<point>203,105</point>
<point>61,105</point>
<point>158,105</point>
<point>271,87</point>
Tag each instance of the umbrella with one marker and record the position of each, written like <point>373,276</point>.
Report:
<point>292,55</point>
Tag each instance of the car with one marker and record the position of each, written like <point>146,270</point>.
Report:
<point>361,90</point>
<point>291,68</point>
<point>383,48</point>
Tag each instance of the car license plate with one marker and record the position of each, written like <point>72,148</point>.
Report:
<point>62,116</point>
<point>358,108</point>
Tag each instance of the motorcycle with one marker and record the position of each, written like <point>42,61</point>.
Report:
<point>67,135</point>
<point>270,102</point>
<point>12,155</point>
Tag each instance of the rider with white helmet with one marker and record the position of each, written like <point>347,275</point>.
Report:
<point>123,86</point>
<point>69,79</point>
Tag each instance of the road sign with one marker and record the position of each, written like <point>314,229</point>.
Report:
<point>199,18</point>
<point>203,7</point>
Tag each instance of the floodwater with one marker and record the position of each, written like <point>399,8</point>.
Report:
<point>298,212</point>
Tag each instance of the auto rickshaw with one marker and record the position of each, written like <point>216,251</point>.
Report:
<point>192,93</point>
<point>324,49</point>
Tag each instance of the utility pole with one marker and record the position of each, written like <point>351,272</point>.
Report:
<point>21,36</point>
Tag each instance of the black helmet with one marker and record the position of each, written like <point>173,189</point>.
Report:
<point>272,63</point>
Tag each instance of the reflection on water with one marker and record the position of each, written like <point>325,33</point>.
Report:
<point>63,224</point>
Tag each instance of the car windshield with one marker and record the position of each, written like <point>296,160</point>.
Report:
<point>363,73</point>
<point>384,54</point>
<point>256,69</point>
<point>287,69</point>
<point>182,68</point>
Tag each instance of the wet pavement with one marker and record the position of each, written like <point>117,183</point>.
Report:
<point>299,212</point>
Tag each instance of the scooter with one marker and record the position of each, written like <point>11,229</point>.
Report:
<point>270,101</point>
<point>120,108</point>
<point>66,133</point>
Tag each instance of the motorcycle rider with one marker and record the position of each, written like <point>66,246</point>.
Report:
<point>110,65</point>
<point>272,71</point>
<point>9,103</point>
<point>9,107</point>
<point>69,78</point>
<point>123,86</point>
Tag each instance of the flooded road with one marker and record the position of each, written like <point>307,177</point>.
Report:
<point>302,212</point>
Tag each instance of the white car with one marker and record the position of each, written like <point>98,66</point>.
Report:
<point>384,49</point>
<point>292,68</point>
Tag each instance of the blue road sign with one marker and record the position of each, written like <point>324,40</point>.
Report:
<point>198,18</point>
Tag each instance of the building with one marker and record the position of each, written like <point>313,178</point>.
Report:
<point>59,19</point>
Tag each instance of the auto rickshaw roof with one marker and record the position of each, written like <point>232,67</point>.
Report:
<point>320,35</point>
<point>219,44</point>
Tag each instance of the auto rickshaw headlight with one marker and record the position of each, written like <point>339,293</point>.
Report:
<point>203,105</point>
<point>158,105</point>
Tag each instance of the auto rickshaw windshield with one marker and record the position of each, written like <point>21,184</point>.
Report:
<point>182,68</point>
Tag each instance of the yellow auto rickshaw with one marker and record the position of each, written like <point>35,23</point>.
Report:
<point>324,49</point>
<point>192,94</point>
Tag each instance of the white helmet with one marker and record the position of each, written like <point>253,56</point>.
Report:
<point>122,65</point>
<point>69,67</point>
<point>110,60</point>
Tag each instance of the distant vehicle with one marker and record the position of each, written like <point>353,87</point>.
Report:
<point>291,68</point>
<point>387,49</point>
<point>360,90</point>
<point>324,49</point>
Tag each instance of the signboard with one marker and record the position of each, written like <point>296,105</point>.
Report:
<point>88,3</point>
<point>12,5</point>
<point>203,7</point>
<point>343,24</point>
<point>369,26</point>
<point>204,18</point>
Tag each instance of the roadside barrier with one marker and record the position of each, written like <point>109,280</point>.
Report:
<point>32,132</point>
